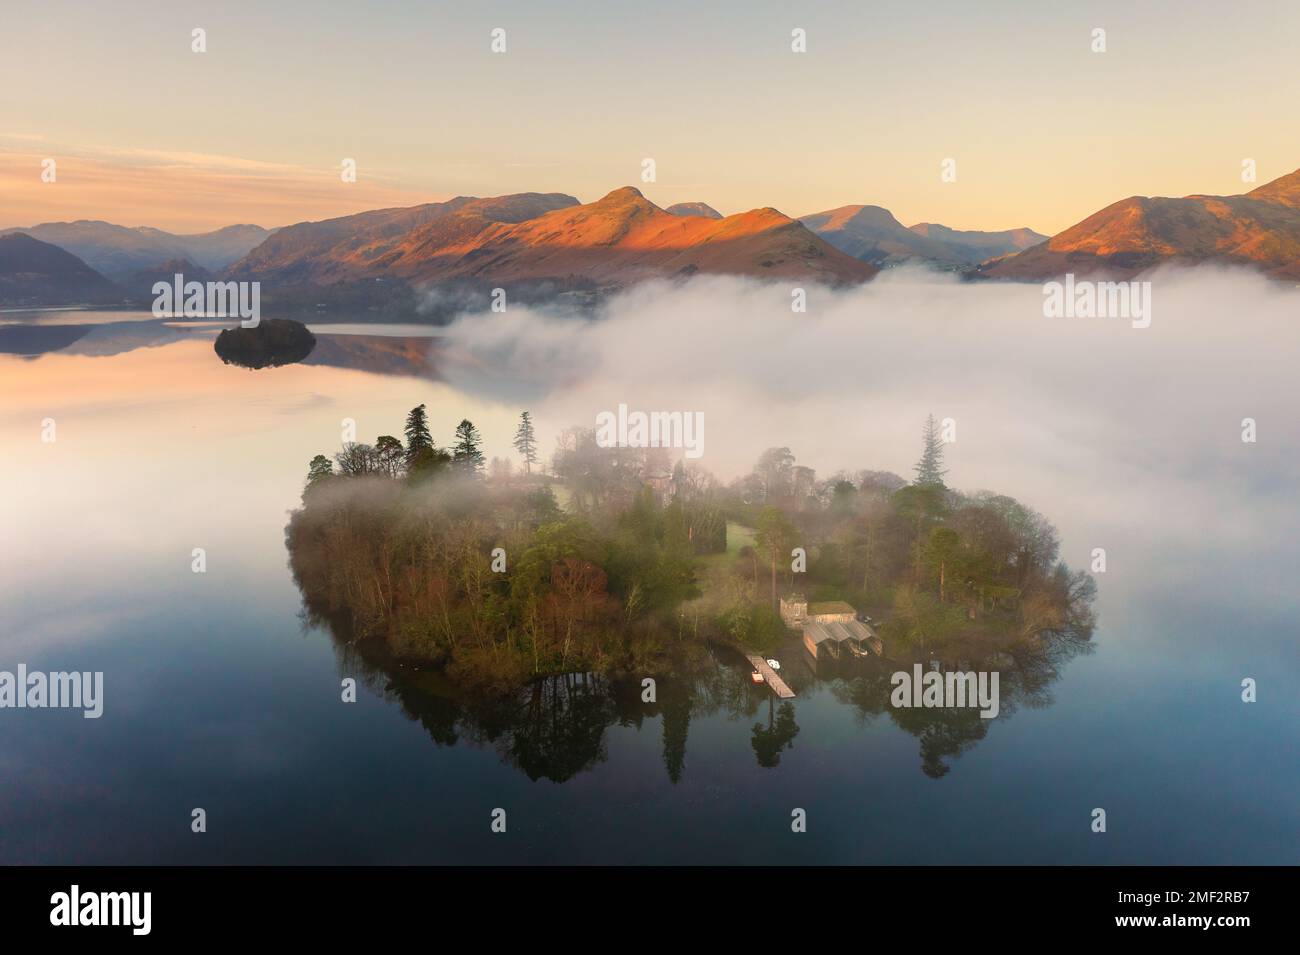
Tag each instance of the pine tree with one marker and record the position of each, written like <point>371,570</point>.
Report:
<point>930,469</point>
<point>774,537</point>
<point>466,455</point>
<point>526,442</point>
<point>417,433</point>
<point>320,469</point>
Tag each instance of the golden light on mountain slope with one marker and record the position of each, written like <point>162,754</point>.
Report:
<point>625,237</point>
<point>622,237</point>
<point>1260,229</point>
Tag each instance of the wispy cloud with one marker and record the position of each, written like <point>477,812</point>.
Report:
<point>177,190</point>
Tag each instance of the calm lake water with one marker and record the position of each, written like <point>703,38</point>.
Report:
<point>217,696</point>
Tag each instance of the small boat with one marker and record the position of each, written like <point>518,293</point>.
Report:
<point>868,646</point>
<point>774,664</point>
<point>756,677</point>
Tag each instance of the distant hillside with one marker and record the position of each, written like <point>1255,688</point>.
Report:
<point>216,250</point>
<point>119,252</point>
<point>139,285</point>
<point>35,273</point>
<point>625,238</point>
<point>872,234</point>
<point>1259,229</point>
<point>694,209</point>
<point>974,246</point>
<point>363,245</point>
<point>545,239</point>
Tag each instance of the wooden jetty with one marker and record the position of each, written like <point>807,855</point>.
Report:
<point>770,677</point>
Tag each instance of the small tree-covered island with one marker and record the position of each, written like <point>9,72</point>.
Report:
<point>625,563</point>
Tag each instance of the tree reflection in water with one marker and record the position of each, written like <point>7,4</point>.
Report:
<point>779,733</point>
<point>555,727</point>
<point>1026,673</point>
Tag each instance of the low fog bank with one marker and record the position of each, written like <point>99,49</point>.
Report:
<point>1125,437</point>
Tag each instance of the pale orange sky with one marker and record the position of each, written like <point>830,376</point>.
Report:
<point>182,192</point>
<point>1044,130</point>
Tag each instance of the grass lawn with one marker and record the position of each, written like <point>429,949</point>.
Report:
<point>738,536</point>
<point>712,570</point>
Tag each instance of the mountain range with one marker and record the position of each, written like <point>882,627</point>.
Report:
<point>544,245</point>
<point>873,235</point>
<point>533,238</point>
<point>118,252</point>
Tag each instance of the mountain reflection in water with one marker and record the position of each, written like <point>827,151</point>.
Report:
<point>401,350</point>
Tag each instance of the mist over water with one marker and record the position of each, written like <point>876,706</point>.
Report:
<point>217,696</point>
<point>1125,437</point>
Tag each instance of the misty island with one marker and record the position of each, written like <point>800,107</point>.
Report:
<point>618,560</point>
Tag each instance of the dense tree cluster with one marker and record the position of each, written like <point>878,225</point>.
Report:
<point>492,578</point>
<point>617,554</point>
<point>943,569</point>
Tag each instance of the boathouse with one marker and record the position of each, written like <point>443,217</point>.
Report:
<point>829,627</point>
